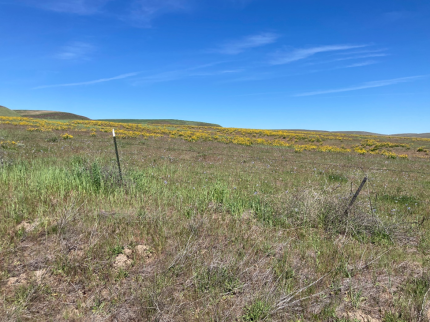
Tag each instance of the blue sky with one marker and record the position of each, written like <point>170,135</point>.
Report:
<point>274,64</point>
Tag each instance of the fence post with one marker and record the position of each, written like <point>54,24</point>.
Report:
<point>355,196</point>
<point>117,155</point>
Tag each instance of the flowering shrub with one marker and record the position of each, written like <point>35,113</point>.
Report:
<point>67,136</point>
<point>8,144</point>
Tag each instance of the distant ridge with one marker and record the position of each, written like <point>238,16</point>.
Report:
<point>357,132</point>
<point>408,135</point>
<point>50,115</point>
<point>159,121</point>
<point>414,135</point>
<point>4,111</point>
<point>55,115</point>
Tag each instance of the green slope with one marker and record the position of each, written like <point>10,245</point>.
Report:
<point>159,121</point>
<point>50,115</point>
<point>4,111</point>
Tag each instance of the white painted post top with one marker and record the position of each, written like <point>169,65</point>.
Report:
<point>113,132</point>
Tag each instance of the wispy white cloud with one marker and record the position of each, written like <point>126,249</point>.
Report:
<point>259,76</point>
<point>75,51</point>
<point>366,85</point>
<point>361,64</point>
<point>253,41</point>
<point>220,72</point>
<point>363,51</point>
<point>137,12</point>
<point>356,57</point>
<point>162,77</point>
<point>285,57</point>
<point>81,7</point>
<point>177,74</point>
<point>102,80</point>
<point>360,57</point>
<point>142,12</point>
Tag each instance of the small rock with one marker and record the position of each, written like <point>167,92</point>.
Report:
<point>26,226</point>
<point>143,250</point>
<point>39,274</point>
<point>127,251</point>
<point>12,281</point>
<point>21,279</point>
<point>122,261</point>
<point>105,293</point>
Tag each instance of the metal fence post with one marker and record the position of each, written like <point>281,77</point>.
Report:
<point>355,196</point>
<point>117,155</point>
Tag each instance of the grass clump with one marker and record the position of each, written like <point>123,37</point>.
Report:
<point>52,139</point>
<point>401,200</point>
<point>116,250</point>
<point>217,279</point>
<point>337,177</point>
<point>257,311</point>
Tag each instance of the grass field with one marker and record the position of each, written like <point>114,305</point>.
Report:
<point>211,224</point>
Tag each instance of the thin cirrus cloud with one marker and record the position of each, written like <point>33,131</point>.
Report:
<point>354,57</point>
<point>285,57</point>
<point>249,42</point>
<point>142,12</point>
<point>363,51</point>
<point>102,80</point>
<point>366,85</point>
<point>80,7</point>
<point>76,51</point>
<point>360,57</point>
<point>361,64</point>
<point>137,12</point>
<point>177,74</point>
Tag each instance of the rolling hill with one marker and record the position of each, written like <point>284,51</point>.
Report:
<point>159,121</point>
<point>50,115</point>
<point>4,111</point>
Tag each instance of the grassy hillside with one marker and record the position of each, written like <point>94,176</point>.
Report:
<point>159,121</point>
<point>211,224</point>
<point>50,115</point>
<point>4,111</point>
